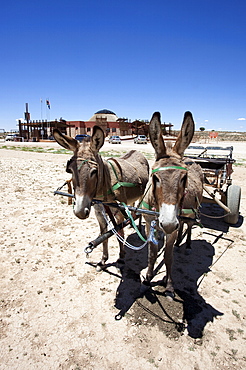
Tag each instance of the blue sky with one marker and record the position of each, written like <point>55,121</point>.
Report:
<point>133,57</point>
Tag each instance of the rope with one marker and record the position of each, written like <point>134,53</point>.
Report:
<point>203,214</point>
<point>118,236</point>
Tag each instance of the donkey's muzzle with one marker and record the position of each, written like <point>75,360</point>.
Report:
<point>168,218</point>
<point>169,228</point>
<point>82,214</point>
<point>82,207</point>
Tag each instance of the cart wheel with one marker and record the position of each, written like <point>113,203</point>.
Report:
<point>233,203</point>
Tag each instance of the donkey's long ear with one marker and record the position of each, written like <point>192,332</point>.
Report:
<point>65,141</point>
<point>155,134</point>
<point>186,134</point>
<point>97,139</point>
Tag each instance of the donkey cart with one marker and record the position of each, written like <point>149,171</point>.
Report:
<point>216,163</point>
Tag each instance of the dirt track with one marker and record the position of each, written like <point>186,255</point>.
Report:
<point>57,312</point>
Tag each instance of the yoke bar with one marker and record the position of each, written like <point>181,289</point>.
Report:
<point>121,207</point>
<point>62,193</point>
<point>114,205</point>
<point>131,208</point>
<point>101,238</point>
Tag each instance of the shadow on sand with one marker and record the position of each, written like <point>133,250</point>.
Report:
<point>151,306</point>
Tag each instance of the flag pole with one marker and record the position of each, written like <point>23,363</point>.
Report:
<point>48,116</point>
<point>41,103</point>
<point>42,123</point>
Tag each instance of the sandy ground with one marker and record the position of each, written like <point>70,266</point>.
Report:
<point>58,312</point>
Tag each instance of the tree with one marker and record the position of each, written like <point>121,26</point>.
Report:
<point>202,129</point>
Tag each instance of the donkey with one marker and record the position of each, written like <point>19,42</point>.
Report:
<point>189,213</point>
<point>112,180</point>
<point>172,185</point>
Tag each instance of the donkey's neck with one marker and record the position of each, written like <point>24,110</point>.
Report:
<point>104,180</point>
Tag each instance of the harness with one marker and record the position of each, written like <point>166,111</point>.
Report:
<point>85,160</point>
<point>182,210</point>
<point>117,185</point>
<point>169,168</point>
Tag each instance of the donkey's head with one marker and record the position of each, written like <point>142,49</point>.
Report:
<point>169,173</point>
<point>85,167</point>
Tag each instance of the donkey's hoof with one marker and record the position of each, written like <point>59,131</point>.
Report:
<point>169,295</point>
<point>120,262</point>
<point>187,251</point>
<point>177,249</point>
<point>100,266</point>
<point>164,282</point>
<point>144,287</point>
<point>146,283</point>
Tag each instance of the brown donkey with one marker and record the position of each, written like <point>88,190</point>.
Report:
<point>173,183</point>
<point>122,180</point>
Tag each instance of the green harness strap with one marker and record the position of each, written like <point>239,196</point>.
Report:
<point>146,205</point>
<point>133,222</point>
<point>115,186</point>
<point>119,183</point>
<point>183,210</point>
<point>81,164</point>
<point>169,168</point>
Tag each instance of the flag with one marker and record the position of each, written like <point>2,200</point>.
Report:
<point>48,103</point>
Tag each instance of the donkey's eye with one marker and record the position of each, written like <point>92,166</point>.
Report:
<point>68,169</point>
<point>93,172</point>
<point>156,180</point>
<point>183,180</point>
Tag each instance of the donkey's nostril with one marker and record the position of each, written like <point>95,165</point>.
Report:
<point>87,212</point>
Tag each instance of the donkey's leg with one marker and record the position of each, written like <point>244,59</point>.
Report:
<point>180,233</point>
<point>188,239</point>
<point>122,253</point>
<point>120,218</point>
<point>168,257</point>
<point>103,229</point>
<point>152,252</point>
